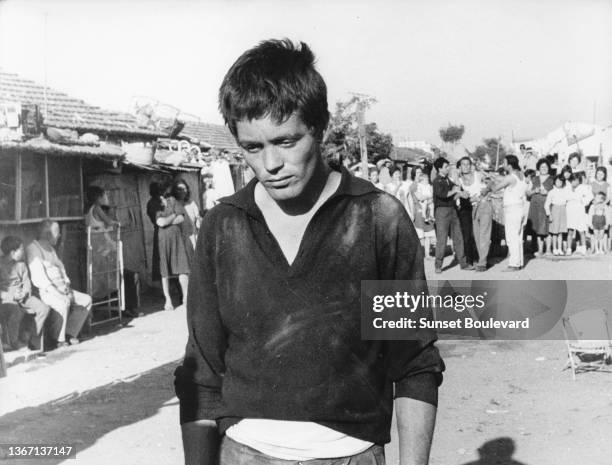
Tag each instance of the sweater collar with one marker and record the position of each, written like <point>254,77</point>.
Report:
<point>350,185</point>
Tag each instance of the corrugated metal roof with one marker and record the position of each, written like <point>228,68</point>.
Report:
<point>65,111</point>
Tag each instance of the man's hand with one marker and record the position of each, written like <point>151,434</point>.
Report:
<point>415,425</point>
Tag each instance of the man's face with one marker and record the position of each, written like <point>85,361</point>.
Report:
<point>55,234</point>
<point>283,156</point>
<point>445,169</point>
<point>18,254</point>
<point>465,166</point>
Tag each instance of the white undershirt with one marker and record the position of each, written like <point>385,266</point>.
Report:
<point>293,440</point>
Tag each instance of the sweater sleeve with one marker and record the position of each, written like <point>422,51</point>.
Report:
<point>198,379</point>
<point>415,366</point>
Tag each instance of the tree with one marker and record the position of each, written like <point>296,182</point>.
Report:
<point>452,134</point>
<point>342,135</point>
<point>487,152</point>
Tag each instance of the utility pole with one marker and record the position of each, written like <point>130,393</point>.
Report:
<point>497,154</point>
<point>363,143</point>
<point>363,102</point>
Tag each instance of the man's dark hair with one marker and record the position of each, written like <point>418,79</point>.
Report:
<point>574,155</point>
<point>10,244</point>
<point>463,158</point>
<point>439,163</point>
<point>543,161</point>
<point>276,78</point>
<point>157,188</point>
<point>512,160</point>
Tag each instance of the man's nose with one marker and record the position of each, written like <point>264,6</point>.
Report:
<point>272,159</point>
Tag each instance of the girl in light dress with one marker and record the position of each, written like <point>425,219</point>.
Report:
<point>422,193</point>
<point>598,221</point>
<point>578,197</point>
<point>556,211</point>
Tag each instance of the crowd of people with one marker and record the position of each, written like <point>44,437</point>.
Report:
<point>535,206</point>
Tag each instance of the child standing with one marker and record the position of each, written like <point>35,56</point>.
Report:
<point>598,222</point>
<point>578,197</point>
<point>555,207</point>
<point>423,212</point>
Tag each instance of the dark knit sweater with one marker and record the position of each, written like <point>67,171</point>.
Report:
<point>278,341</point>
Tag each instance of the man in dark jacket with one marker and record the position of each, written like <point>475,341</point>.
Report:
<point>275,365</point>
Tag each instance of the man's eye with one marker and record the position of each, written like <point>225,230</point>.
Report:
<point>252,148</point>
<point>288,143</point>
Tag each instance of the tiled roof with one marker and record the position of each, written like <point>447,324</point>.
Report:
<point>68,112</point>
<point>214,134</point>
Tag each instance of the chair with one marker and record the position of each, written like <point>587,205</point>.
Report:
<point>588,341</point>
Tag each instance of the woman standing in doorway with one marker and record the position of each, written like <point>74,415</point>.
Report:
<point>173,255</point>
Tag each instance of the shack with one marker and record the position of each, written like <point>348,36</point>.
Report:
<point>54,146</point>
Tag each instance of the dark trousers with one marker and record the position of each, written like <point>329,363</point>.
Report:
<point>24,322</point>
<point>11,317</point>
<point>447,221</point>
<point>469,244</point>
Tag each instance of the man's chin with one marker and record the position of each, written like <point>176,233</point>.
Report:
<point>284,193</point>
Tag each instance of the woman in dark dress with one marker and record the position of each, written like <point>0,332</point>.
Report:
<point>537,219</point>
<point>173,255</point>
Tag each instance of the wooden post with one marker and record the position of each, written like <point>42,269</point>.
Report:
<point>497,154</point>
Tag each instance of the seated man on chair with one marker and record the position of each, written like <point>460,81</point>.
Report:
<point>69,308</point>
<point>16,297</point>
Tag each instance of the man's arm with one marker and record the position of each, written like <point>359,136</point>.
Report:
<point>198,380</point>
<point>415,426</point>
<point>415,366</point>
<point>200,442</point>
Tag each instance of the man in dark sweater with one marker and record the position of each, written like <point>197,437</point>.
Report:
<point>275,369</point>
<point>446,194</point>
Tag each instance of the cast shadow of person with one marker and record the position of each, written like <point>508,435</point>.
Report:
<point>497,451</point>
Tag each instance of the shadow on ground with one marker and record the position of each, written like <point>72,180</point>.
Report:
<point>83,418</point>
<point>497,451</point>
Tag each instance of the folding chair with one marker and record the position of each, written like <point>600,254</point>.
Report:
<point>588,341</point>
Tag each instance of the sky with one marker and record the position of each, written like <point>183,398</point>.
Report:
<point>501,68</point>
